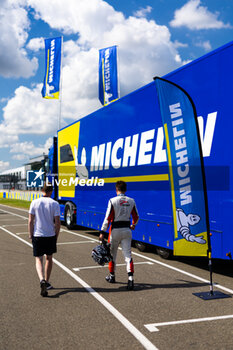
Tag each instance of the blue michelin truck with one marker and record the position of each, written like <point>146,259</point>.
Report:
<point>125,141</point>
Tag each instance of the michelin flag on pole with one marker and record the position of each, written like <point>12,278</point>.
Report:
<point>108,76</point>
<point>51,85</point>
<point>186,170</point>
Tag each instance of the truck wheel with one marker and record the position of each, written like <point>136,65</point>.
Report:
<point>69,219</point>
<point>164,253</point>
<point>140,246</point>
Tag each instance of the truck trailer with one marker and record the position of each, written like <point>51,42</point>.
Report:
<point>125,141</point>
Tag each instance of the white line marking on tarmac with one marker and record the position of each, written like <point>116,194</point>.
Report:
<point>165,265</point>
<point>4,222</point>
<point>8,206</point>
<point>152,327</point>
<point>14,235</point>
<point>150,259</point>
<point>184,272</point>
<point>21,233</point>
<point>80,235</point>
<point>75,242</point>
<point>20,216</point>
<point>122,319</point>
<point>14,225</point>
<point>99,267</point>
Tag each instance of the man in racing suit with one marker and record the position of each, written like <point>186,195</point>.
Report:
<point>119,211</point>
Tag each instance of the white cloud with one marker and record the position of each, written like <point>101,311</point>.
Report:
<point>14,26</point>
<point>47,145</point>
<point>4,165</point>
<point>7,137</point>
<point>20,157</point>
<point>4,99</point>
<point>145,50</point>
<point>36,44</point>
<point>195,16</point>
<point>27,149</point>
<point>206,45</point>
<point>88,18</point>
<point>142,12</point>
<point>28,113</point>
<point>178,44</point>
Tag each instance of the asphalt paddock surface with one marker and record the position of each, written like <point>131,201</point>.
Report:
<point>83,311</point>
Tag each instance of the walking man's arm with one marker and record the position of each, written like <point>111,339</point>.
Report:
<point>135,217</point>
<point>31,220</point>
<point>57,225</point>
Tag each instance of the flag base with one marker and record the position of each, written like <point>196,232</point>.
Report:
<point>209,296</point>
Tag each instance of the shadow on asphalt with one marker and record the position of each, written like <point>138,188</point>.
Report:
<point>137,288</point>
<point>222,267</point>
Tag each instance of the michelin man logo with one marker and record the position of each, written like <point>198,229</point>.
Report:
<point>81,169</point>
<point>107,97</point>
<point>49,89</point>
<point>183,226</point>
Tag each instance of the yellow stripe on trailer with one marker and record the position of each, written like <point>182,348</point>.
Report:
<point>139,178</point>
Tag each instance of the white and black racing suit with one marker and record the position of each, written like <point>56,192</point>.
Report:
<point>119,212</point>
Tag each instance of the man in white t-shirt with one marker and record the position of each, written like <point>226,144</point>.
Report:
<point>44,227</point>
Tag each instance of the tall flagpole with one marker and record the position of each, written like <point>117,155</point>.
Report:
<point>60,93</point>
<point>118,72</point>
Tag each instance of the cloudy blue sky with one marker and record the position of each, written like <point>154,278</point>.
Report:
<point>154,37</point>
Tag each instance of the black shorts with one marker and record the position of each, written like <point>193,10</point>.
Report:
<point>44,245</point>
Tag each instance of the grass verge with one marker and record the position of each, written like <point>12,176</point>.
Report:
<point>17,203</point>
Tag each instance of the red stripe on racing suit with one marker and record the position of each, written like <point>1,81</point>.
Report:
<point>119,211</point>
